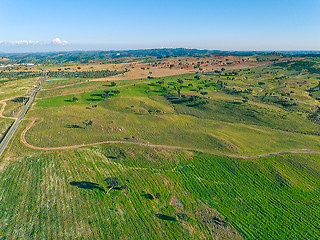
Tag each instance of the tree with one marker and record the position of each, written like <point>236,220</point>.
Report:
<point>115,92</point>
<point>113,84</point>
<point>180,81</point>
<point>182,216</point>
<point>193,98</point>
<point>160,82</point>
<point>106,94</point>
<point>88,123</point>
<point>114,182</point>
<point>203,93</point>
<point>178,89</point>
<point>75,99</point>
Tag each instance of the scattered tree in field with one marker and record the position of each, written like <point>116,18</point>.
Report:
<point>116,92</point>
<point>88,123</point>
<point>106,94</point>
<point>197,77</point>
<point>113,84</point>
<point>203,93</point>
<point>193,98</point>
<point>199,88</point>
<point>180,81</point>
<point>182,216</point>
<point>160,82</point>
<point>78,67</point>
<point>178,89</point>
<point>114,182</point>
<point>75,99</point>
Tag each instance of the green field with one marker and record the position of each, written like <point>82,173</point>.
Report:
<point>183,143</point>
<point>270,198</point>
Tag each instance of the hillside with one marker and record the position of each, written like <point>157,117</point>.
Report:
<point>225,151</point>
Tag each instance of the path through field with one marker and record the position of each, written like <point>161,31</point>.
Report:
<point>169,147</point>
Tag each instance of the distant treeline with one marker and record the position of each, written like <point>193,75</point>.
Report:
<point>87,56</point>
<point>84,74</point>
<point>10,75</point>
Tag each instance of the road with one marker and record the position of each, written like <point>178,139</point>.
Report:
<point>14,127</point>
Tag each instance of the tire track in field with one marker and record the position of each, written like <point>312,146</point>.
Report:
<point>169,147</point>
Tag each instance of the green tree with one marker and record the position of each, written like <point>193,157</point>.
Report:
<point>113,182</point>
<point>116,92</point>
<point>88,123</point>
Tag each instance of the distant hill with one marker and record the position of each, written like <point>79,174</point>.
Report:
<point>85,56</point>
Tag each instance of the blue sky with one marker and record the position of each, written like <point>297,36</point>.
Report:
<point>203,24</point>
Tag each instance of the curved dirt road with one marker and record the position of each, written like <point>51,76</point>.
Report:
<point>23,140</point>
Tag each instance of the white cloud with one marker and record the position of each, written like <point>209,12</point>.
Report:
<point>20,42</point>
<point>58,41</point>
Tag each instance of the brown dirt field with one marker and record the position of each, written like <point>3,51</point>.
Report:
<point>168,67</point>
<point>153,67</point>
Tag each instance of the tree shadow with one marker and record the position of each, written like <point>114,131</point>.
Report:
<point>67,100</point>
<point>87,185</point>
<point>96,95</point>
<point>165,217</point>
<point>74,126</point>
<point>94,100</point>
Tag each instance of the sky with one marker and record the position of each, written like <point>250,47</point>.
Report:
<point>34,25</point>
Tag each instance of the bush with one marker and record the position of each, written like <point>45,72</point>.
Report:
<point>182,216</point>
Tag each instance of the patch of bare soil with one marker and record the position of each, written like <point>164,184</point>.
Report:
<point>219,226</point>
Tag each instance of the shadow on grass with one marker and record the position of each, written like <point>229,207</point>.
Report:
<point>74,126</point>
<point>87,185</point>
<point>94,100</point>
<point>96,95</point>
<point>67,100</point>
<point>165,217</point>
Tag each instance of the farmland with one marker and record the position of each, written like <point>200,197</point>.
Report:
<point>192,145</point>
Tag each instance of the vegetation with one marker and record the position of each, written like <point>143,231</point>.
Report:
<point>180,159</point>
<point>83,74</point>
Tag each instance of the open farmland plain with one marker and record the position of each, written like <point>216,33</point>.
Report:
<point>228,149</point>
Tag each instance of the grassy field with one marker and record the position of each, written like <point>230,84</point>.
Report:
<point>202,191</point>
<point>14,88</point>
<point>217,121</point>
<point>270,198</point>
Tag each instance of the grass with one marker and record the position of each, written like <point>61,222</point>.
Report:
<point>16,87</point>
<point>152,112</point>
<point>270,198</point>
<point>4,125</point>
